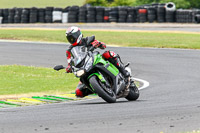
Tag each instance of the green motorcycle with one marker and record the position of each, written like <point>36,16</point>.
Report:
<point>101,76</point>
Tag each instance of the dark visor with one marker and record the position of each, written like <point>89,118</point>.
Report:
<point>72,37</point>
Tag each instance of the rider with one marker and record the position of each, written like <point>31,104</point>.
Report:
<point>75,38</point>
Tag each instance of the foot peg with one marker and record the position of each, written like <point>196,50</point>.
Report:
<point>127,64</point>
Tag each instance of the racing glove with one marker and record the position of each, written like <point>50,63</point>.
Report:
<point>68,69</point>
<point>98,44</point>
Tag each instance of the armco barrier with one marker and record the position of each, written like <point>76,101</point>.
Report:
<point>88,14</point>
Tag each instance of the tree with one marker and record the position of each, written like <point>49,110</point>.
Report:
<point>121,3</point>
<point>194,3</point>
<point>97,2</point>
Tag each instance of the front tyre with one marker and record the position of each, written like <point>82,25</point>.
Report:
<point>105,93</point>
<point>133,93</point>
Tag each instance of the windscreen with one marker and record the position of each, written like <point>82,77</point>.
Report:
<point>78,54</point>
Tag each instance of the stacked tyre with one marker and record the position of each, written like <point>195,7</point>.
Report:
<point>25,15</point>
<point>91,14</point>
<point>1,12</point>
<point>33,15</point>
<point>151,14</point>
<point>131,15</point>
<point>99,14</point>
<point>82,16</point>
<point>73,14</point>
<point>65,14</point>
<point>11,15</point>
<point>5,15</point>
<point>197,18</point>
<point>170,12</point>
<point>1,15</point>
<point>170,16</point>
<point>161,13</point>
<point>122,14</point>
<point>195,14</point>
<point>41,15</point>
<point>190,17</point>
<point>57,15</point>
<point>142,15</point>
<point>184,16</point>
<point>113,14</point>
<point>18,14</point>
<point>106,14</point>
<point>49,14</point>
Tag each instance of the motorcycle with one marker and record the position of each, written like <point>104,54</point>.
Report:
<point>101,76</point>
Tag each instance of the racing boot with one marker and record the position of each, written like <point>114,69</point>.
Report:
<point>82,90</point>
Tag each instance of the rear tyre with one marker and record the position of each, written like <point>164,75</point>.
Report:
<point>105,93</point>
<point>134,93</point>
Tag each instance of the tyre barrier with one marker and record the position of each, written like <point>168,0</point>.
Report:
<point>65,15</point>
<point>82,16</point>
<point>161,13</point>
<point>170,16</point>
<point>41,15</point>
<point>152,14</point>
<point>113,14</point>
<point>170,6</point>
<point>48,15</point>
<point>73,14</point>
<point>122,14</point>
<point>33,15</point>
<point>194,14</point>
<point>99,14</point>
<point>197,18</point>
<point>90,14</point>
<point>142,15</point>
<point>1,18</point>
<point>131,15</point>
<point>25,15</point>
<point>57,15</point>
<point>184,16</point>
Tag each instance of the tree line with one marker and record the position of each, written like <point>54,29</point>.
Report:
<point>185,4</point>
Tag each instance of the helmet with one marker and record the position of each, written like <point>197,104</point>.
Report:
<point>74,35</point>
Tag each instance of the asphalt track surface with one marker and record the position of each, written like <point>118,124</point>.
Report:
<point>171,104</point>
<point>114,26</point>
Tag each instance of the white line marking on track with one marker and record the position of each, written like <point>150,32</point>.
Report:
<point>145,83</point>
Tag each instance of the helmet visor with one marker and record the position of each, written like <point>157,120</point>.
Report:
<point>72,37</point>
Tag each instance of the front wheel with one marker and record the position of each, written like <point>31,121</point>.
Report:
<point>105,93</point>
<point>133,93</point>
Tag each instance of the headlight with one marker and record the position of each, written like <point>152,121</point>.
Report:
<point>80,73</point>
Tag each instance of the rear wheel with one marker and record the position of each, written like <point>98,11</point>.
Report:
<point>104,92</point>
<point>134,93</point>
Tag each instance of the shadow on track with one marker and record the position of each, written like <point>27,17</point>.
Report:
<point>103,102</point>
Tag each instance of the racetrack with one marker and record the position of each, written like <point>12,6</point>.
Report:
<point>164,27</point>
<point>170,104</point>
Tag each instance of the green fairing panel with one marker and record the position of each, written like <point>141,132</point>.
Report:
<point>98,75</point>
<point>98,59</point>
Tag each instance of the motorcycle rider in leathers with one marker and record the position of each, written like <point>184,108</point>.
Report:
<point>75,38</point>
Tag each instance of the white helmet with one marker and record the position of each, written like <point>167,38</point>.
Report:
<point>74,35</point>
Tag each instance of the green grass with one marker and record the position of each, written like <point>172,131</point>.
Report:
<point>27,79</point>
<point>39,3</point>
<point>121,38</point>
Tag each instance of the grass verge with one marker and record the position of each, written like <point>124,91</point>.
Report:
<point>39,3</point>
<point>120,38</point>
<point>27,79</point>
